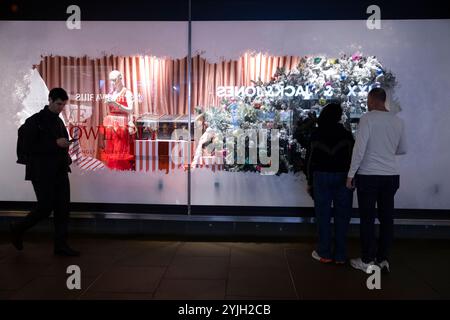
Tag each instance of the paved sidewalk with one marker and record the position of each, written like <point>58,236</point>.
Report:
<point>140,268</point>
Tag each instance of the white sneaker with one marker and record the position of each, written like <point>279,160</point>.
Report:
<point>384,266</point>
<point>360,265</point>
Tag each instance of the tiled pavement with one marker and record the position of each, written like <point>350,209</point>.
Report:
<point>139,268</point>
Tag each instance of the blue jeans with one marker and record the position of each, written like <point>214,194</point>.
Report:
<point>332,198</point>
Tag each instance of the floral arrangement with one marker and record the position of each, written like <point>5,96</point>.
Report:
<point>346,80</point>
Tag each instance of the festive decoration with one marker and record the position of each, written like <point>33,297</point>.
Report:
<point>317,80</point>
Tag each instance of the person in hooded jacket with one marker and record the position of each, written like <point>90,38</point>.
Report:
<point>328,160</point>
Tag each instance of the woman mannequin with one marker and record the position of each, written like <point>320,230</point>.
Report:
<point>119,127</point>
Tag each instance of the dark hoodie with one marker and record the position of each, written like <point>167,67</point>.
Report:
<point>330,150</point>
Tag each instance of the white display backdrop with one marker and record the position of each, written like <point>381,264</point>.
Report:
<point>417,52</point>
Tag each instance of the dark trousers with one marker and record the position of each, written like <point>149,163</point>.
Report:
<point>332,198</point>
<point>52,196</point>
<point>376,196</point>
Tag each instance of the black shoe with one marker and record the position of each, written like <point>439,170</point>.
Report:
<point>16,237</point>
<point>66,251</point>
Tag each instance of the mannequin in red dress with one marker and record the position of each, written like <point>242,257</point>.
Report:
<point>119,129</point>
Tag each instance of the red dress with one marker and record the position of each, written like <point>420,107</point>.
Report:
<point>118,152</point>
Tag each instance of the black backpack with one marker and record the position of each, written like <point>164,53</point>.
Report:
<point>22,148</point>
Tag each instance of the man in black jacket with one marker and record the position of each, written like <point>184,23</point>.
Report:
<point>44,144</point>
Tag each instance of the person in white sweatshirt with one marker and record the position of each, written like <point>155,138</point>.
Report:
<point>374,173</point>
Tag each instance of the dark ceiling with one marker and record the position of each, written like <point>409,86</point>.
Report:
<point>178,10</point>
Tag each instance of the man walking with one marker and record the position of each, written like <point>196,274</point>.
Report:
<point>380,137</point>
<point>43,147</point>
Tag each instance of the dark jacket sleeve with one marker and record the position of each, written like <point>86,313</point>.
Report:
<point>309,160</point>
<point>65,135</point>
<point>352,140</point>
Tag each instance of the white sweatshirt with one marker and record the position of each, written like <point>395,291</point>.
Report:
<point>380,137</point>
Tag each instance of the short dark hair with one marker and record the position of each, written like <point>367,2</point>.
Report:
<point>58,93</point>
<point>378,93</point>
<point>330,114</point>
